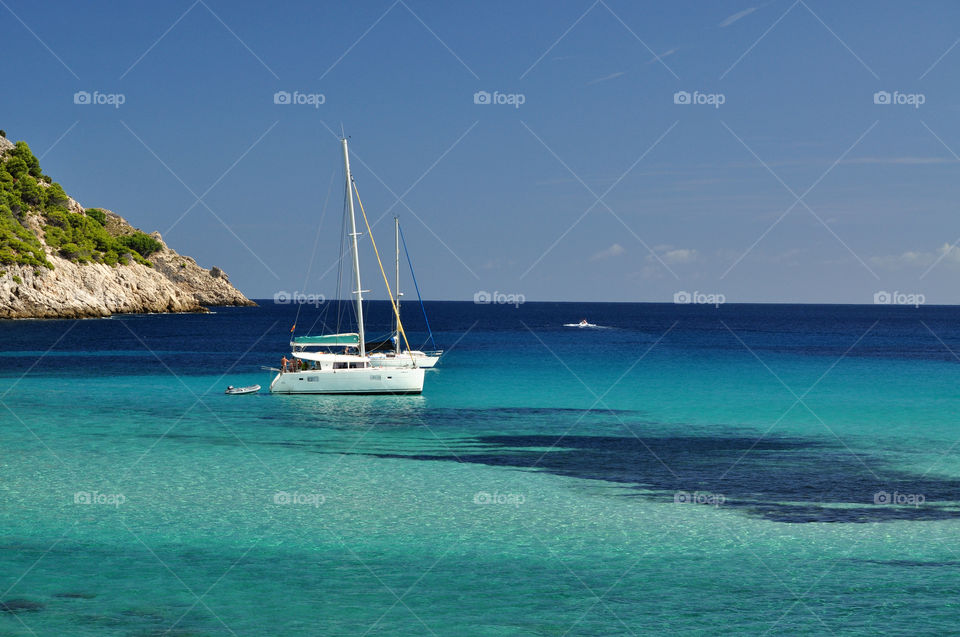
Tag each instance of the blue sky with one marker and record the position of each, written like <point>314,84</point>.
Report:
<point>599,186</point>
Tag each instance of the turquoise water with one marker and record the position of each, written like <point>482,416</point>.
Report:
<point>659,476</point>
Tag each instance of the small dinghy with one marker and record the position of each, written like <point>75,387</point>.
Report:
<point>252,389</point>
<point>582,323</point>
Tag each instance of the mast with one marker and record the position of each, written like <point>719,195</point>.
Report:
<point>356,254</point>
<point>396,336</point>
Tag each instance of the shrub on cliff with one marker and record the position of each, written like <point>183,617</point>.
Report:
<point>17,244</point>
<point>56,196</point>
<point>22,151</point>
<point>98,215</point>
<point>19,191</point>
<point>82,238</point>
<point>142,243</point>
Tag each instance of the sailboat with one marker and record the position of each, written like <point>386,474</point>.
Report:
<point>338,363</point>
<point>392,355</point>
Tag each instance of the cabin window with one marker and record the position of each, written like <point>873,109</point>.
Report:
<point>339,365</point>
<point>312,379</point>
<point>377,377</point>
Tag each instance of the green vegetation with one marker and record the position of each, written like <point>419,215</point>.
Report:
<point>99,215</point>
<point>17,279</point>
<point>82,238</point>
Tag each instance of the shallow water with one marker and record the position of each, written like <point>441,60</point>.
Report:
<point>730,470</point>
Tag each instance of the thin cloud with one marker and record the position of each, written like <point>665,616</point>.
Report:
<point>605,78</point>
<point>613,251</point>
<point>673,256</point>
<point>680,256</point>
<point>918,259</point>
<point>736,16</point>
<point>657,58</point>
<point>901,161</point>
<point>499,264</point>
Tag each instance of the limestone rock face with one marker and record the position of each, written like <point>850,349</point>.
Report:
<point>175,283</point>
<point>75,291</point>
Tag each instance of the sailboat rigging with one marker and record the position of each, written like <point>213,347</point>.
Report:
<point>338,363</point>
<point>399,357</point>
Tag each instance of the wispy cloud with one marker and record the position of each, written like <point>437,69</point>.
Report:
<point>736,16</point>
<point>657,58</point>
<point>605,78</point>
<point>825,161</point>
<point>570,180</point>
<point>672,256</point>
<point>947,253</point>
<point>908,161</point>
<point>613,251</point>
<point>499,264</point>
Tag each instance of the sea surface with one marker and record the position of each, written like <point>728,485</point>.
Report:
<point>686,469</point>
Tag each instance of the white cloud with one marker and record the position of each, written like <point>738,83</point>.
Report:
<point>613,251</point>
<point>680,256</point>
<point>657,58</point>
<point>672,255</point>
<point>736,16</point>
<point>946,253</point>
<point>606,77</point>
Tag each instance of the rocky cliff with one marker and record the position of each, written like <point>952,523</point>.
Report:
<point>72,282</point>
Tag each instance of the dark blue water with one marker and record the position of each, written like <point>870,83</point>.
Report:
<point>746,468</point>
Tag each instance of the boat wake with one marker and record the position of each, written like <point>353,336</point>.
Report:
<point>584,325</point>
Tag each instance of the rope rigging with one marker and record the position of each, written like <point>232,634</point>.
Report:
<point>417,287</point>
<point>393,304</point>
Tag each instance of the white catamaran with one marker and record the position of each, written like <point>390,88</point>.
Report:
<point>315,368</point>
<point>392,356</point>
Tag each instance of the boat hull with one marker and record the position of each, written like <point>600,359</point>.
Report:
<point>349,381</point>
<point>395,361</point>
<point>240,391</point>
